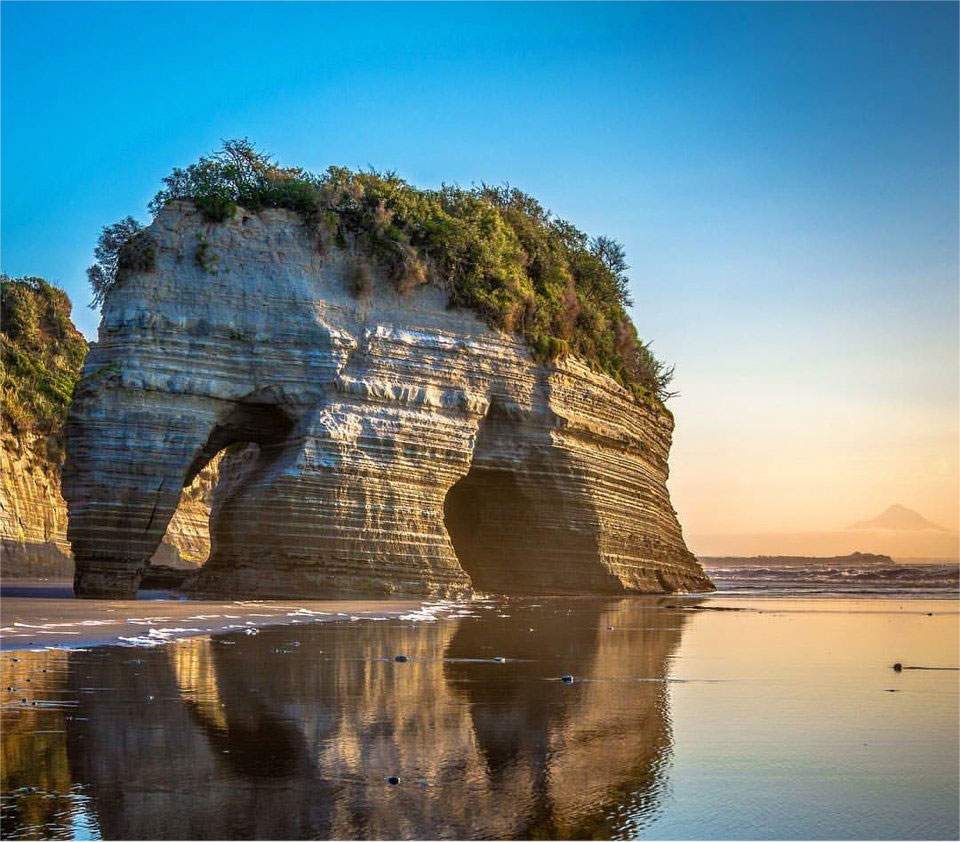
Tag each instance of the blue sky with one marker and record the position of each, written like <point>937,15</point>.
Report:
<point>783,177</point>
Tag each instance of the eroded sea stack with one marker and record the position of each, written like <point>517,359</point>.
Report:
<point>379,443</point>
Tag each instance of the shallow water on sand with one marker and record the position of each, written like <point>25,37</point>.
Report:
<point>774,720</point>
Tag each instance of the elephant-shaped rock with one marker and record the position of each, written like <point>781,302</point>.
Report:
<point>377,444</point>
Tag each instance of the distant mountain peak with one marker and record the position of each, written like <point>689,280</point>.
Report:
<point>900,518</point>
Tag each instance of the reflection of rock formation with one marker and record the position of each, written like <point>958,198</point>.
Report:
<point>256,737</point>
<point>573,750</point>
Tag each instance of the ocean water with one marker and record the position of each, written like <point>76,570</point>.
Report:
<point>895,580</point>
<point>727,717</point>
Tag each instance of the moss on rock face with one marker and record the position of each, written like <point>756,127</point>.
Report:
<point>496,251</point>
<point>42,354</point>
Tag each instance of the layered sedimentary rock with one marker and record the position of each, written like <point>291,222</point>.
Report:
<point>186,543</point>
<point>401,447</point>
<point>33,515</point>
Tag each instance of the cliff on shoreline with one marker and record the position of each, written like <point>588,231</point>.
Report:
<point>378,442</point>
<point>33,516</point>
<point>42,356</point>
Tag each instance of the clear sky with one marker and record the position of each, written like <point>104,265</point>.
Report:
<point>783,177</point>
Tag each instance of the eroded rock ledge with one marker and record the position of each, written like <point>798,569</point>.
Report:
<point>401,448</point>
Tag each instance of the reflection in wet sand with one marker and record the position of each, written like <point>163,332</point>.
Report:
<point>568,755</point>
<point>35,777</point>
<point>292,733</point>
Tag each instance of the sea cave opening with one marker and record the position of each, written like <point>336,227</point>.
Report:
<point>519,520</point>
<point>482,512</point>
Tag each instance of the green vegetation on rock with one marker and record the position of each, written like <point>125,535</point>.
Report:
<point>495,250</point>
<point>42,355</point>
<point>123,247</point>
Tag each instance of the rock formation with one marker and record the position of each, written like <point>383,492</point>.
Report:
<point>33,515</point>
<point>42,354</point>
<point>401,447</point>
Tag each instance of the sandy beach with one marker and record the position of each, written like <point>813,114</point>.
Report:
<point>38,613</point>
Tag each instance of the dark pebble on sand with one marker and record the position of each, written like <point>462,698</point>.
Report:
<point>401,659</point>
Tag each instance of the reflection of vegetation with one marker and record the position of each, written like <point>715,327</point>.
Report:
<point>495,250</point>
<point>42,355</point>
<point>33,753</point>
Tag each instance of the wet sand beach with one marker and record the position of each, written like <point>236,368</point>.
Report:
<point>726,717</point>
<point>38,613</point>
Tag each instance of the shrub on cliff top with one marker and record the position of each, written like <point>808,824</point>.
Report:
<point>496,251</point>
<point>42,354</point>
<point>123,247</point>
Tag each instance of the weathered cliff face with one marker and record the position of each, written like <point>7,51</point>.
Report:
<point>42,354</point>
<point>33,515</point>
<point>186,543</point>
<point>402,447</point>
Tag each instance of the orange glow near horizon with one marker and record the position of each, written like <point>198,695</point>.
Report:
<point>790,471</point>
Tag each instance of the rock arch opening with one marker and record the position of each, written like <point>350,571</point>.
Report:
<point>186,543</point>
<point>250,436</point>
<point>520,520</point>
<point>265,425</point>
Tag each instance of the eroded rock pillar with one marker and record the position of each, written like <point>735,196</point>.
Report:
<point>127,457</point>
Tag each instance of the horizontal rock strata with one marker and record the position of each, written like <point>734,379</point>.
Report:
<point>376,445</point>
<point>33,516</point>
